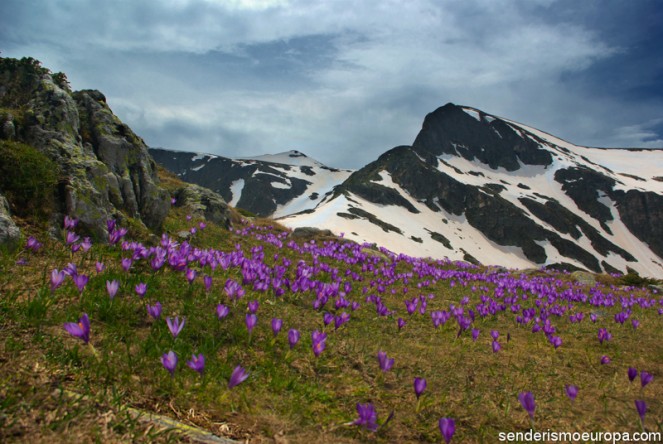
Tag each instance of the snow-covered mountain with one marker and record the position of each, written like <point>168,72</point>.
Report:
<point>477,187</point>
<point>481,188</point>
<point>270,185</point>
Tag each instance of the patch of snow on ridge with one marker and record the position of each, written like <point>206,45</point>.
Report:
<point>294,158</point>
<point>236,190</point>
<point>322,183</point>
<point>198,167</point>
<point>473,113</point>
<point>201,156</point>
<point>283,186</point>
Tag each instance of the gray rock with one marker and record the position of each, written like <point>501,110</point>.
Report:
<point>584,278</point>
<point>10,234</point>
<point>7,127</point>
<point>309,232</point>
<point>205,203</point>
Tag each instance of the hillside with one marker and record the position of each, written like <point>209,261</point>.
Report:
<point>204,326</point>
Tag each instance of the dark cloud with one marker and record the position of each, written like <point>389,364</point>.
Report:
<point>344,81</point>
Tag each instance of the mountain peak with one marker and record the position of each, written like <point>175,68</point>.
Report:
<point>472,134</point>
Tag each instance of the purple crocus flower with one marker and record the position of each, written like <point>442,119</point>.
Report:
<point>190,275</point>
<point>401,323</point>
<point>385,363</point>
<point>197,363</point>
<point>293,337</point>
<point>340,320</point>
<point>604,335</point>
<point>80,329</point>
<point>318,342</point>
<point>632,373</point>
<point>207,280</point>
<point>327,318</point>
<point>169,361</point>
<point>71,238</point>
<point>86,244</point>
<point>556,341</point>
<point>126,263</point>
<point>495,334</point>
<point>368,417</point>
<point>175,326</point>
<point>251,321</point>
<point>81,281</point>
<point>447,428</point>
<point>70,269</point>
<point>154,310</point>
<point>527,401</point>
<point>99,266</point>
<point>645,378</point>
<point>233,289</point>
<point>496,347</point>
<point>276,325</point>
<point>635,323</point>
<point>33,244</point>
<point>475,334</point>
<point>70,223</point>
<point>141,289</point>
<point>57,278</point>
<point>641,407</point>
<point>238,376</point>
<point>419,386</point>
<point>253,306</point>
<point>572,391</point>
<point>222,311</point>
<point>112,287</point>
<point>605,359</point>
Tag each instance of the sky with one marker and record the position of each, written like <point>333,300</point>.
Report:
<point>345,80</point>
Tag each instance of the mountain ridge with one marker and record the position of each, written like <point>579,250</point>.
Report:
<point>478,187</point>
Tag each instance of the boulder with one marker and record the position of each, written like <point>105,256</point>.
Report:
<point>205,203</point>
<point>10,234</point>
<point>584,278</point>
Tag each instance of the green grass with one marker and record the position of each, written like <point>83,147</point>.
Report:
<point>290,392</point>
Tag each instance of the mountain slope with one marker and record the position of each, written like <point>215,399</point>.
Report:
<point>477,187</point>
<point>270,185</point>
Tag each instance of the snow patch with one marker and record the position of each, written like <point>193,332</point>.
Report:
<point>236,190</point>
<point>281,185</point>
<point>473,113</point>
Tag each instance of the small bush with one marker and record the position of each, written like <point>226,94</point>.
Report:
<point>28,179</point>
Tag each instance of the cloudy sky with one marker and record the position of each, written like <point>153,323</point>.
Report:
<point>345,80</point>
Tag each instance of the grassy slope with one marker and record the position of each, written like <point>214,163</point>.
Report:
<point>293,393</point>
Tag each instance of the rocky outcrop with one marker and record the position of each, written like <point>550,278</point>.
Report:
<point>204,203</point>
<point>106,171</point>
<point>9,232</point>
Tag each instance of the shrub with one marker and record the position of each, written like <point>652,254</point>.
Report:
<point>28,179</point>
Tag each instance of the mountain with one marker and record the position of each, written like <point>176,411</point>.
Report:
<point>481,188</point>
<point>472,186</point>
<point>270,185</point>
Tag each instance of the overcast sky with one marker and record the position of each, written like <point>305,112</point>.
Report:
<point>345,80</point>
